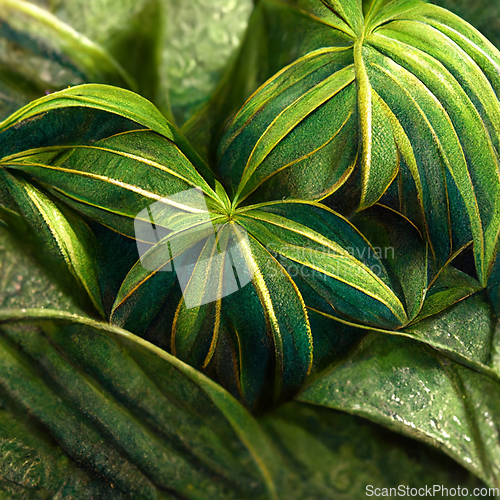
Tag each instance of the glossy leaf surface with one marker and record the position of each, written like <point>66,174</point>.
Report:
<point>417,88</point>
<point>418,392</point>
<point>141,183</point>
<point>263,351</point>
<point>353,453</point>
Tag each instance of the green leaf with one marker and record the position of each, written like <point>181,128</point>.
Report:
<point>450,287</point>
<point>100,171</point>
<point>66,242</point>
<point>278,252</point>
<point>24,283</point>
<point>353,453</point>
<point>330,454</point>
<point>324,250</point>
<point>483,15</point>
<point>130,412</point>
<point>414,74</point>
<point>39,54</point>
<point>33,466</point>
<point>263,53</point>
<point>420,393</point>
<point>402,251</point>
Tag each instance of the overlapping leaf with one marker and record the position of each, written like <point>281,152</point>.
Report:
<point>414,96</point>
<point>34,464</point>
<point>93,144</point>
<point>264,350</point>
<point>66,242</point>
<point>419,392</point>
<point>136,174</point>
<point>39,54</point>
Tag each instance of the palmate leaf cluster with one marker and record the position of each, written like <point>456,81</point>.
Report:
<point>352,150</point>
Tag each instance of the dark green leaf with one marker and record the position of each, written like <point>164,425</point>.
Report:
<point>263,53</point>
<point>132,413</point>
<point>333,455</point>
<point>67,243</point>
<point>402,251</point>
<point>414,74</point>
<point>282,251</point>
<point>418,392</point>
<point>101,171</point>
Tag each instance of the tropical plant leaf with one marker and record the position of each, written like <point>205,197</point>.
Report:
<point>171,213</point>
<point>299,433</point>
<point>401,249</point>
<point>263,53</point>
<point>330,454</point>
<point>24,283</point>
<point>131,412</point>
<point>66,242</point>
<point>453,315</point>
<point>413,74</point>
<point>483,15</point>
<point>41,54</point>
<point>32,466</point>
<point>96,144</point>
<point>416,391</point>
<point>282,250</point>
<point>132,32</point>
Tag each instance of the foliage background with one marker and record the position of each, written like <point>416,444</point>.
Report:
<point>328,454</point>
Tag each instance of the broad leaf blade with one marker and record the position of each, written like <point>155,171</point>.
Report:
<point>422,394</point>
<point>119,395</point>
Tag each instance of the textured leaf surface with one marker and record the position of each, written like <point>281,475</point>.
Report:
<point>261,352</point>
<point>353,453</point>
<point>66,242</point>
<point>39,54</point>
<point>421,393</point>
<point>333,455</point>
<point>119,413</point>
<point>413,74</point>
